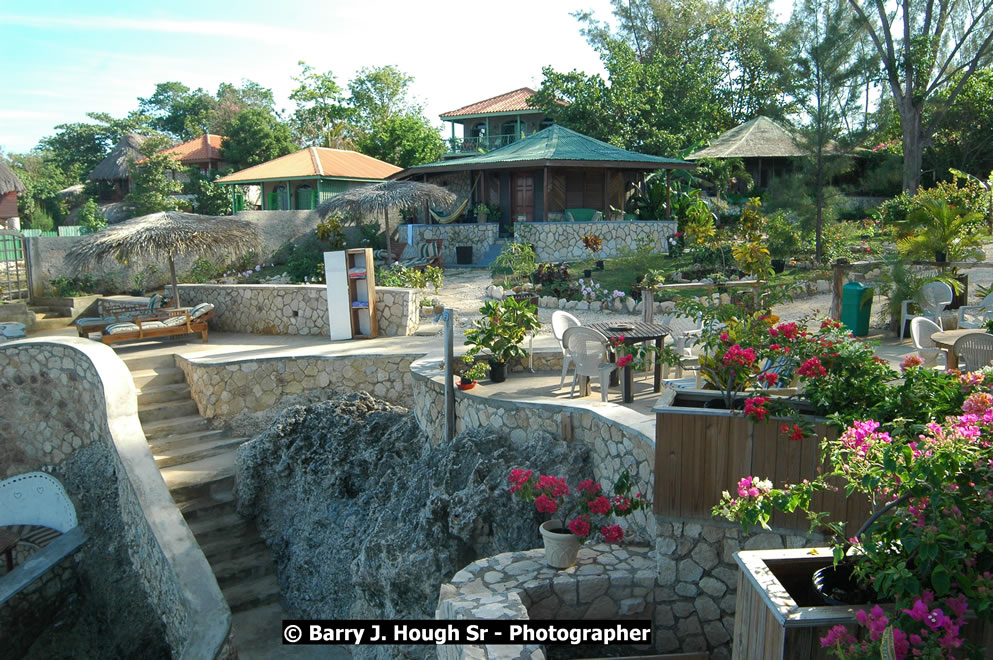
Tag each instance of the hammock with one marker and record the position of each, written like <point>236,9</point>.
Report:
<point>445,219</point>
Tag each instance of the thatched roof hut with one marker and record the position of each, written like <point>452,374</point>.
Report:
<point>117,164</point>
<point>9,181</point>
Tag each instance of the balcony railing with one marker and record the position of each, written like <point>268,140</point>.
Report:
<point>474,145</point>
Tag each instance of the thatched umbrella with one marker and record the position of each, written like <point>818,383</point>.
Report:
<point>166,234</point>
<point>385,196</point>
<point>9,181</point>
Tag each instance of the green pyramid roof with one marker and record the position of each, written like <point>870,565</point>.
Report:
<point>554,146</point>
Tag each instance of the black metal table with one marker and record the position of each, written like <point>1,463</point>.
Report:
<point>636,332</point>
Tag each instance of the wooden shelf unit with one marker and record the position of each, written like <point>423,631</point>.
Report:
<point>361,293</point>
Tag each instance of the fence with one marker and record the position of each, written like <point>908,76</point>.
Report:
<point>13,266</point>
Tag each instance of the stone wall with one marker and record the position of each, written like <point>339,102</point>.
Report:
<point>226,389</point>
<point>619,438</point>
<point>480,236</point>
<point>70,408</point>
<point>561,241</point>
<point>294,309</point>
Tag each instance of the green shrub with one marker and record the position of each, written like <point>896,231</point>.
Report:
<point>40,219</point>
<point>68,287</point>
<point>372,236</point>
<point>90,216</point>
<point>203,270</point>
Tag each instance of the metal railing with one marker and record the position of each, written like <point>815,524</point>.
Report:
<point>481,144</point>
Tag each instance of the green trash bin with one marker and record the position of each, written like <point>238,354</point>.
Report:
<point>856,304</point>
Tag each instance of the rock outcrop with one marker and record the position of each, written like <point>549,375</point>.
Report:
<point>366,519</point>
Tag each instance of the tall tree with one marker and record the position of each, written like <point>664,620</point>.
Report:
<point>78,147</point>
<point>405,140</point>
<point>255,136</point>
<point>230,100</point>
<point>153,181</point>
<point>321,117</point>
<point>964,140</point>
<point>177,110</point>
<point>925,46</point>
<point>379,93</point>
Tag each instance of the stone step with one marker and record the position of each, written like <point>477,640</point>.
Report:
<point>232,571</point>
<point>157,412</point>
<point>162,393</point>
<point>245,543</point>
<point>44,324</point>
<point>246,595</point>
<point>212,528</point>
<point>51,311</point>
<point>177,440</point>
<point>200,478</point>
<point>157,377</point>
<point>182,454</point>
<point>177,425</point>
<point>198,508</point>
<point>142,361</point>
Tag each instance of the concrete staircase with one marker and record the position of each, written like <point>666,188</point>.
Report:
<point>198,465</point>
<point>49,318</point>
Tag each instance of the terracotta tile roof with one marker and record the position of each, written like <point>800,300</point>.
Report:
<point>315,161</point>
<point>197,150</point>
<point>514,101</point>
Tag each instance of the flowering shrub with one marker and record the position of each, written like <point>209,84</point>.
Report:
<point>592,242</point>
<point>585,508</point>
<point>927,545</point>
<point>593,292</point>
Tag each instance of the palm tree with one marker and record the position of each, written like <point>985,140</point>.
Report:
<point>940,231</point>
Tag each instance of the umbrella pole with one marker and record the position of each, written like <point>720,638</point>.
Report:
<point>389,244</point>
<point>175,286</point>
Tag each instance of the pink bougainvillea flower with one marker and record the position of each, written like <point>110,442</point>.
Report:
<point>755,407</point>
<point>600,505</point>
<point>912,360</point>
<point>624,360</point>
<point>812,368</point>
<point>589,486</point>
<point>580,526</point>
<point>545,504</point>
<point>612,533</point>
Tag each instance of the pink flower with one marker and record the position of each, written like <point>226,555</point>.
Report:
<point>624,360</point>
<point>612,534</point>
<point>580,526</point>
<point>770,378</point>
<point>589,486</point>
<point>545,504</point>
<point>600,505</point>
<point>812,368</point>
<point>977,403</point>
<point>837,636</point>
<point>754,407</point>
<point>738,356</point>
<point>912,360</point>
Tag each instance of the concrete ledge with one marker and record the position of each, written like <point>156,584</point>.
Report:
<point>39,563</point>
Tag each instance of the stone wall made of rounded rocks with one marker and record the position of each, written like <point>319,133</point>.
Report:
<point>480,236</point>
<point>617,437</point>
<point>562,241</point>
<point>66,397</point>
<point>294,309</point>
<point>255,385</point>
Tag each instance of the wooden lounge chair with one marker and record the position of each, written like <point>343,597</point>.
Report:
<point>428,254</point>
<point>164,323</point>
<point>395,253</point>
<point>117,313</point>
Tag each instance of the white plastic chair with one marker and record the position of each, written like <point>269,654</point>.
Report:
<point>921,330</point>
<point>562,321</point>
<point>685,331</point>
<point>974,350</point>
<point>933,297</point>
<point>975,316</point>
<point>36,505</point>
<point>588,350</point>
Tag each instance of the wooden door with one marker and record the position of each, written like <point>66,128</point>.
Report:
<point>522,197</point>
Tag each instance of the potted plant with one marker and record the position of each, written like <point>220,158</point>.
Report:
<point>594,244</point>
<point>926,546</point>
<point>474,372</point>
<point>501,331</point>
<point>579,511</point>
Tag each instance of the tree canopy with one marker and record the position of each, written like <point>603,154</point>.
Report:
<point>255,136</point>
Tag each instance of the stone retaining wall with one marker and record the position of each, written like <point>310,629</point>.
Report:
<point>70,409</point>
<point>294,309</point>
<point>561,241</point>
<point>225,389</point>
<point>618,438</point>
<point>480,236</point>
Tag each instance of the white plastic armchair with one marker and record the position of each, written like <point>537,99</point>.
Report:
<point>588,350</point>
<point>974,350</point>
<point>974,316</point>
<point>933,297</point>
<point>921,330</point>
<point>685,331</point>
<point>562,321</point>
<point>37,505</point>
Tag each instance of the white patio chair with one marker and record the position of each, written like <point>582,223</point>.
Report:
<point>975,316</point>
<point>932,298</point>
<point>686,331</point>
<point>36,505</point>
<point>921,330</point>
<point>588,350</point>
<point>974,350</point>
<point>562,321</point>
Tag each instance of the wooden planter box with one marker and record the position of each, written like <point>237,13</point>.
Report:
<point>776,611</point>
<point>701,452</point>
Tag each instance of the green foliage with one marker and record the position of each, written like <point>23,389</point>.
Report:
<point>209,198</point>
<point>937,227</point>
<point>204,270</point>
<point>404,140</point>
<point>320,118</point>
<point>90,216</point>
<point>783,237</point>
<point>186,114</point>
<point>372,236</point>
<point>501,329</point>
<point>77,148</point>
<point>723,173</point>
<point>331,232</point>
<point>476,370</point>
<point>40,219</point>
<point>68,287</point>
<point>255,136</point>
<point>153,185</point>
<point>42,181</point>
<point>519,258</point>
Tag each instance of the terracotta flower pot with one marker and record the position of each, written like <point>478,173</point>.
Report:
<point>560,548</point>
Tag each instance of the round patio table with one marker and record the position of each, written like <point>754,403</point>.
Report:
<point>634,333</point>
<point>946,339</point>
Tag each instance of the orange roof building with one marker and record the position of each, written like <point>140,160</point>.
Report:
<point>494,123</point>
<point>203,152</point>
<point>305,178</point>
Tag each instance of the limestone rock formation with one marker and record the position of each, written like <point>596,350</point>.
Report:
<point>366,519</point>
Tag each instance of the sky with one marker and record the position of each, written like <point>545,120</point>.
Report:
<point>67,58</point>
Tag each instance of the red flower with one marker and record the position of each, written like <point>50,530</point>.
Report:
<point>770,378</point>
<point>621,503</point>
<point>580,526</point>
<point>589,486</point>
<point>812,368</point>
<point>754,407</point>
<point>624,360</point>
<point>796,433</point>
<point>545,504</point>
<point>612,534</point>
<point>600,505</point>
<point>554,485</point>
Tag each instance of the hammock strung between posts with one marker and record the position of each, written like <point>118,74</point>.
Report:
<point>445,219</point>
